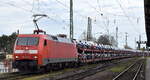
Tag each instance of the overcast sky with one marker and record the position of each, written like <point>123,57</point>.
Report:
<point>127,15</point>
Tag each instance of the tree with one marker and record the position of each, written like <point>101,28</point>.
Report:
<point>7,42</point>
<point>106,40</point>
<point>12,39</point>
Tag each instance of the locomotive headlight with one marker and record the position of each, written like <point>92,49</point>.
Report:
<point>35,57</point>
<point>17,56</point>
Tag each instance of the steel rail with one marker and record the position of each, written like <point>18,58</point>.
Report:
<point>137,72</point>
<point>123,72</point>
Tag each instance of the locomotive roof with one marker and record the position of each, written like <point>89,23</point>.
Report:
<point>59,39</point>
<point>49,37</point>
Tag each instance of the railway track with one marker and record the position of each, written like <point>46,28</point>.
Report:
<point>78,75</point>
<point>75,76</point>
<point>6,75</point>
<point>16,75</point>
<point>133,72</point>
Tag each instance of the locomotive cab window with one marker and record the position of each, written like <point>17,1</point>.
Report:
<point>27,41</point>
<point>45,42</point>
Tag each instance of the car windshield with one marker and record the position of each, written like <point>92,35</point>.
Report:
<point>27,41</point>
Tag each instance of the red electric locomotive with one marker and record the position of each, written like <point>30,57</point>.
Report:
<point>34,51</point>
<point>37,51</point>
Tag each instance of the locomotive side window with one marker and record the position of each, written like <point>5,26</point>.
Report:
<point>45,42</point>
<point>54,38</point>
<point>27,41</point>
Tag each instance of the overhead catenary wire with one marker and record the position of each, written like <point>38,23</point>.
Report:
<point>50,10</point>
<point>26,10</point>
<point>66,7</point>
<point>26,2</point>
<point>33,2</point>
<point>103,16</point>
<point>75,11</point>
<point>128,1</point>
<point>107,13</point>
<point>100,9</point>
<point>100,13</point>
<point>62,3</point>
<point>98,4</point>
<point>38,4</point>
<point>13,5</point>
<point>125,15</point>
<point>129,20</point>
<point>57,21</point>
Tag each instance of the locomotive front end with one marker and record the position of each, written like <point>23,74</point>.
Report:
<point>26,52</point>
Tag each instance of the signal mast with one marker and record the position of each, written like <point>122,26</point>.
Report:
<point>35,19</point>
